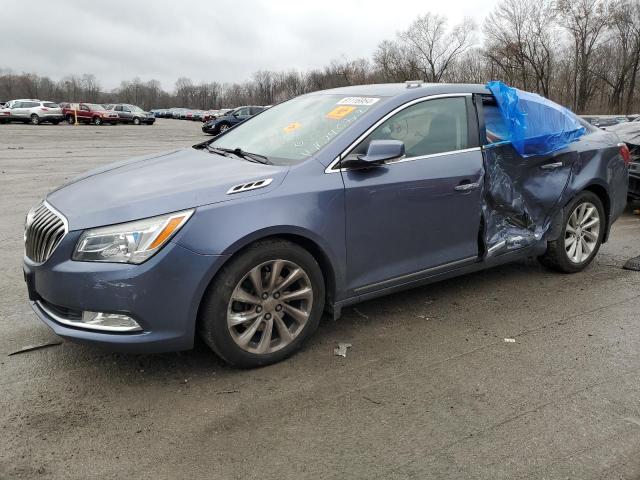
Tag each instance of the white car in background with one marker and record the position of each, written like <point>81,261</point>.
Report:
<point>35,111</point>
<point>5,113</point>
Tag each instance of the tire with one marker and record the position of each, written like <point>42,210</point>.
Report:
<point>243,344</point>
<point>55,122</point>
<point>34,119</point>
<point>97,121</point>
<point>70,120</point>
<point>136,121</point>
<point>567,256</point>
<point>223,127</point>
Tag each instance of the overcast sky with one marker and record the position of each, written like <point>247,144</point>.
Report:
<point>205,40</point>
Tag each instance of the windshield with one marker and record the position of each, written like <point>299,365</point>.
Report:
<point>133,108</point>
<point>297,129</point>
<point>95,107</point>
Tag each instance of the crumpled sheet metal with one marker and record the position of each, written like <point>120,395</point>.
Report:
<point>534,124</point>
<point>520,199</point>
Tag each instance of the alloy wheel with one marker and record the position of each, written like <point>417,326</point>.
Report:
<point>582,232</point>
<point>224,127</point>
<point>35,120</point>
<point>270,306</point>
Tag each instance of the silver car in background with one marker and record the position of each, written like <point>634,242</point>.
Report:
<point>35,112</point>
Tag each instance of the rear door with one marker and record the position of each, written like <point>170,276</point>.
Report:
<point>416,216</point>
<point>522,194</point>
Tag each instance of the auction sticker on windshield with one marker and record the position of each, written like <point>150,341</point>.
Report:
<point>340,112</point>
<point>358,101</point>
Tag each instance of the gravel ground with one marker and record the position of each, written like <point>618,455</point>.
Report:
<point>430,389</point>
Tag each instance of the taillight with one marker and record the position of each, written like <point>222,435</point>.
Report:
<point>626,154</point>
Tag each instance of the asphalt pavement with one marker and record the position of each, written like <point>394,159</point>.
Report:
<point>429,389</point>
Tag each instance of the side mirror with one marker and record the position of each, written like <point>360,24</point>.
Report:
<point>378,152</point>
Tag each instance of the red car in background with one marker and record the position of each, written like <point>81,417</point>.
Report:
<point>88,113</point>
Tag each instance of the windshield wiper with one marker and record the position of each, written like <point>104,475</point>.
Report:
<point>238,152</point>
<point>252,157</point>
<point>220,151</point>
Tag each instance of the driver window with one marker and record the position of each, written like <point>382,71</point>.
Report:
<point>426,128</point>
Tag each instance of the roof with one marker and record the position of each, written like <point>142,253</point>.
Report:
<point>402,89</point>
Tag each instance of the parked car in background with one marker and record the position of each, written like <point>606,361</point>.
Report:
<point>5,113</point>
<point>89,113</point>
<point>318,203</point>
<point>35,112</point>
<point>629,133</point>
<point>132,114</point>
<point>230,119</point>
<point>602,121</point>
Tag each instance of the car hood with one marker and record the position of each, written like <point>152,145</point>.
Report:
<point>157,184</point>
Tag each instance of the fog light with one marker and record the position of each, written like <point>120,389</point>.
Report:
<point>109,321</point>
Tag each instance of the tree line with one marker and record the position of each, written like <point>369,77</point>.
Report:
<point>584,54</point>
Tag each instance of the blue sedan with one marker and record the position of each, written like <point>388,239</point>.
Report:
<point>318,203</point>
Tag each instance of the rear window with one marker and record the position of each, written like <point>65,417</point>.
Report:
<point>51,105</point>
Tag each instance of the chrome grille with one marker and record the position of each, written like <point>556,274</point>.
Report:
<point>44,230</point>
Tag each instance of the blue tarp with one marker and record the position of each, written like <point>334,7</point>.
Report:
<point>531,123</point>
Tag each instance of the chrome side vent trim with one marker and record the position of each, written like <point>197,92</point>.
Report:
<point>243,187</point>
<point>45,229</point>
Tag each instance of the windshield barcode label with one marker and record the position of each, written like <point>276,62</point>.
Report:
<point>358,101</point>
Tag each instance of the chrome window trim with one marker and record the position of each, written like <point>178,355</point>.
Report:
<point>331,168</point>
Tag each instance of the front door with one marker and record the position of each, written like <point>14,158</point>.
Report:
<point>420,214</point>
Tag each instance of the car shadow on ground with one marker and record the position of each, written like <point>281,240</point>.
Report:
<point>355,322</point>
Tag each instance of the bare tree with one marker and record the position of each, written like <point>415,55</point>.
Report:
<point>586,22</point>
<point>436,47</point>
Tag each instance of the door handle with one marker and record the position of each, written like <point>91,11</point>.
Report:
<point>465,187</point>
<point>551,166</point>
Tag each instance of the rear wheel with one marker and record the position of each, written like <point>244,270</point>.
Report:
<point>97,121</point>
<point>263,305</point>
<point>70,119</point>
<point>35,119</point>
<point>582,233</point>
<point>55,122</point>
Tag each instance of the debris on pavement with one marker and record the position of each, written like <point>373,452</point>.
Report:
<point>510,340</point>
<point>31,348</point>
<point>341,351</point>
<point>632,264</point>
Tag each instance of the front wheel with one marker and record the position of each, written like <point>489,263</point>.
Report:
<point>97,121</point>
<point>263,305</point>
<point>223,128</point>
<point>136,121</point>
<point>582,233</point>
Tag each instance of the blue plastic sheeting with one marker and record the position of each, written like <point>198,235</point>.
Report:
<point>533,124</point>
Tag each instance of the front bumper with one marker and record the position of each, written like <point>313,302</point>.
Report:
<point>162,294</point>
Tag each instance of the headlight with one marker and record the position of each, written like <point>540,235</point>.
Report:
<point>132,242</point>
